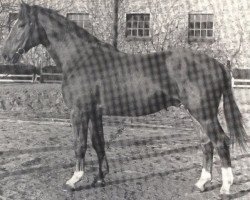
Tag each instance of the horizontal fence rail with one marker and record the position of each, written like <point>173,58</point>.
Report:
<point>50,77</point>
<point>241,83</point>
<point>18,78</point>
<point>53,74</point>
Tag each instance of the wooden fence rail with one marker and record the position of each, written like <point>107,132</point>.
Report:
<point>50,77</point>
<point>15,78</point>
<point>240,83</point>
<point>43,78</point>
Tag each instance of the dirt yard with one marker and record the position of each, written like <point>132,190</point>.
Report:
<point>154,157</point>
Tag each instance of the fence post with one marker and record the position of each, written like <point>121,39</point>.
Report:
<point>41,75</point>
<point>229,66</point>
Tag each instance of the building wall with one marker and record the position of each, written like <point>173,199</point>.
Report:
<point>169,24</point>
<point>231,27</point>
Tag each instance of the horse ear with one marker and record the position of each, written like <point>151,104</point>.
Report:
<point>24,10</point>
<point>22,3</point>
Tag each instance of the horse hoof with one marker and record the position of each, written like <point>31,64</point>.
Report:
<point>197,189</point>
<point>98,183</point>
<point>225,196</point>
<point>68,187</point>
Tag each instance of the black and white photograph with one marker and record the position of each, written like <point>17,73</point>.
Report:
<point>124,99</point>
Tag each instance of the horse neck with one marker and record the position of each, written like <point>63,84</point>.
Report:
<point>64,46</point>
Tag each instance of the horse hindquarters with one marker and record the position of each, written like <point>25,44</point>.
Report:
<point>211,136</point>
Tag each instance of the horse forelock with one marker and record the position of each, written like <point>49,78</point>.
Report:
<point>24,11</point>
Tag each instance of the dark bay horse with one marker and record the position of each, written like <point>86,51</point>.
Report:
<point>99,80</point>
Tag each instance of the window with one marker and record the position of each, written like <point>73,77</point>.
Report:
<point>81,19</point>
<point>137,25</point>
<point>200,27</point>
<point>12,18</point>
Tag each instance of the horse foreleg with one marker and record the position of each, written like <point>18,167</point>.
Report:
<point>98,143</point>
<point>80,129</point>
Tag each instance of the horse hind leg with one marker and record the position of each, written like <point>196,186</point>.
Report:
<point>207,161</point>
<point>80,129</point>
<point>206,174</point>
<point>98,143</point>
<point>221,142</point>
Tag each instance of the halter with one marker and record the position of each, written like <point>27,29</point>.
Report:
<point>20,51</point>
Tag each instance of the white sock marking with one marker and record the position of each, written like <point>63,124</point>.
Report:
<point>227,180</point>
<point>205,177</point>
<point>75,178</point>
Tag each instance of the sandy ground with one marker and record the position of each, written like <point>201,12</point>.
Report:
<point>154,157</point>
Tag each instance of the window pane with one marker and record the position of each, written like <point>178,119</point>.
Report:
<point>129,32</point>
<point>203,33</point>
<point>140,32</point>
<point>191,18</point>
<point>197,25</point>
<point>140,25</point>
<point>203,18</point>
<point>146,32</point>
<point>134,32</point>
<point>191,33</point>
<point>197,33</point>
<point>129,25</point>
<point>135,17</point>
<point>146,17</point>
<point>197,17</point>
<point>140,17</point>
<point>210,33</point>
<point>210,18</point>
<point>210,25</point>
<point>146,24</point>
<point>134,24</point>
<point>129,17</point>
<point>203,25</point>
<point>191,25</point>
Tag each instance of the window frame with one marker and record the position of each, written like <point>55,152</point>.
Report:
<point>200,26</point>
<point>140,26</point>
<point>11,20</point>
<point>85,22</point>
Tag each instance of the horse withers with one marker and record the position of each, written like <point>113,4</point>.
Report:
<point>99,80</point>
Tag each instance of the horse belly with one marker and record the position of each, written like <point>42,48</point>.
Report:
<point>133,98</point>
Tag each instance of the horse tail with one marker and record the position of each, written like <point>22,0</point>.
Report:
<point>232,113</point>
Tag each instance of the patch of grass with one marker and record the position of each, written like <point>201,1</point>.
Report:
<point>33,99</point>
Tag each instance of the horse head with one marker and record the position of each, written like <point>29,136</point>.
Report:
<point>25,34</point>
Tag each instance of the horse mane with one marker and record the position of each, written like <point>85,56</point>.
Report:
<point>72,26</point>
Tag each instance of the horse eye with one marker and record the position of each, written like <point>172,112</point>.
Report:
<point>21,25</point>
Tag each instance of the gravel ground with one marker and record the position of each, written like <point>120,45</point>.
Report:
<point>155,157</point>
